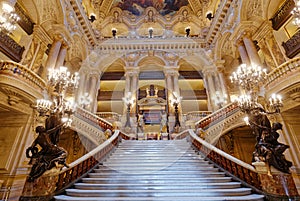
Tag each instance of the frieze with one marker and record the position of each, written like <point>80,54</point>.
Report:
<point>11,48</point>
<point>292,46</point>
<point>25,22</point>
<point>283,14</point>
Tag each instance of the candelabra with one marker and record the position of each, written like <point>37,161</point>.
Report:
<point>175,102</point>
<point>268,149</point>
<point>59,82</point>
<point>8,18</point>
<point>220,99</point>
<point>57,110</point>
<point>128,100</point>
<point>85,100</point>
<point>296,13</point>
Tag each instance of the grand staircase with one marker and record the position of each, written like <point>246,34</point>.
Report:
<point>157,170</point>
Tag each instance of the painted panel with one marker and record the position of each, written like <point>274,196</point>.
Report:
<point>164,7</point>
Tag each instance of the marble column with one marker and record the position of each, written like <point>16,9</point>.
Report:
<point>243,53</point>
<point>134,88</point>
<point>224,91</point>
<point>251,50</point>
<point>94,87</point>
<point>176,83</point>
<point>82,84</point>
<point>61,56</point>
<point>212,89</point>
<point>53,53</point>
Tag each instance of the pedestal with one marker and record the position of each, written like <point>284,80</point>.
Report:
<point>141,136</point>
<point>164,136</point>
<point>276,184</point>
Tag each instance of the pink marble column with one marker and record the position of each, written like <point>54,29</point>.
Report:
<point>251,50</point>
<point>243,53</point>
<point>53,54</point>
<point>61,56</point>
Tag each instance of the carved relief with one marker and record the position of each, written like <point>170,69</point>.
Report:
<point>254,8</point>
<point>267,55</point>
<point>50,11</point>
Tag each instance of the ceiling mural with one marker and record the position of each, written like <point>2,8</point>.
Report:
<point>164,7</point>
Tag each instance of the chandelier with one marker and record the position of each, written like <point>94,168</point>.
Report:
<point>250,78</point>
<point>296,13</point>
<point>8,18</point>
<point>60,83</point>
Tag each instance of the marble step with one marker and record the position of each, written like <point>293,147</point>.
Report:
<point>152,176</point>
<point>190,180</point>
<point>252,197</point>
<point>160,173</point>
<point>158,164</point>
<point>175,185</point>
<point>158,192</point>
<point>157,170</point>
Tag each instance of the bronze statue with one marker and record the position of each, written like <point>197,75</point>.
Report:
<point>267,148</point>
<point>48,157</point>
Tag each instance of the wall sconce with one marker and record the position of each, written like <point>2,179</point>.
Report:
<point>209,16</point>
<point>187,31</point>
<point>92,17</point>
<point>150,30</point>
<point>114,32</point>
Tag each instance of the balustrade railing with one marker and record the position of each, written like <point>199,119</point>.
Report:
<point>196,115</point>
<point>283,70</point>
<point>93,119</point>
<point>236,167</point>
<point>15,70</point>
<point>109,116</point>
<point>217,116</point>
<point>81,166</point>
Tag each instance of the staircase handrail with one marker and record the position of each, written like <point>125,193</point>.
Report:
<point>234,166</point>
<point>216,116</point>
<point>115,116</point>
<point>81,166</point>
<point>93,119</point>
<point>197,114</point>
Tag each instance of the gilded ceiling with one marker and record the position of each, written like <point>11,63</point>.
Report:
<point>137,7</point>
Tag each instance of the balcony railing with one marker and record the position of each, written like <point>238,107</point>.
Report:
<point>20,77</point>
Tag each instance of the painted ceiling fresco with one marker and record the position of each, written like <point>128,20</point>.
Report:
<point>164,7</point>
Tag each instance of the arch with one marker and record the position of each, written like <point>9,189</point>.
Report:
<point>151,60</point>
<point>30,5</point>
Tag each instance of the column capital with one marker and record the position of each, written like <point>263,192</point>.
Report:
<point>132,71</point>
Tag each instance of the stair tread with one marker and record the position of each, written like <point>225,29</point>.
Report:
<point>254,197</point>
<point>157,170</point>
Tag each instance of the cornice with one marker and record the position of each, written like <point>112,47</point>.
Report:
<point>218,20</point>
<point>84,22</point>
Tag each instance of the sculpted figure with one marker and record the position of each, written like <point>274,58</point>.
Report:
<point>49,156</point>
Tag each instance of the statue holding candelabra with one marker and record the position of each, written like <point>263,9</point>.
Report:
<point>267,148</point>
<point>44,153</point>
